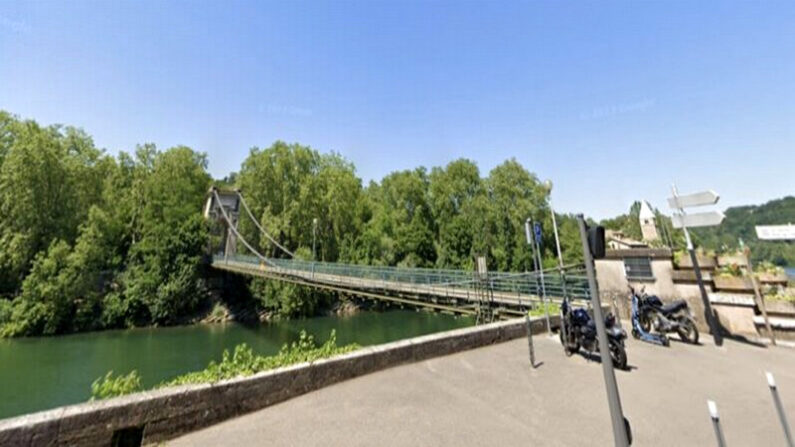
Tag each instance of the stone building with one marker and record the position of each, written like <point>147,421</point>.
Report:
<point>648,227</point>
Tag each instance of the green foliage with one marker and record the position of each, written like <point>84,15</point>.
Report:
<point>113,386</point>
<point>541,309</point>
<point>740,224</point>
<point>243,361</point>
<point>768,268</point>
<point>240,363</point>
<point>89,241</point>
<point>731,270</point>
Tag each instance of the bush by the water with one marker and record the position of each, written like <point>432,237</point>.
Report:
<point>240,363</point>
<point>112,386</point>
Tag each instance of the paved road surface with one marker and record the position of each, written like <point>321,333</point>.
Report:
<point>489,397</point>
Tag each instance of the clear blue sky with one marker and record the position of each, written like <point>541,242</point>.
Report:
<point>612,101</point>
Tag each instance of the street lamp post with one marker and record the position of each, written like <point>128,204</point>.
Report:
<point>314,238</point>
<point>548,184</point>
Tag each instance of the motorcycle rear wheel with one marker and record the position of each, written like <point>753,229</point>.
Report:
<point>687,330</point>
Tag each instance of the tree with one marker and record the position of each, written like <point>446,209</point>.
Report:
<point>453,190</point>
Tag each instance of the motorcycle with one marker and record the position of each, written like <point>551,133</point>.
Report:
<point>578,330</point>
<point>652,320</point>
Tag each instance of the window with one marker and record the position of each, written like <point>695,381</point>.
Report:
<point>638,268</point>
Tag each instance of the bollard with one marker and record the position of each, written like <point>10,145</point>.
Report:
<point>771,382</point>
<point>713,413</point>
<point>530,341</point>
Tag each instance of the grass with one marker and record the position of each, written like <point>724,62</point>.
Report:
<point>538,310</point>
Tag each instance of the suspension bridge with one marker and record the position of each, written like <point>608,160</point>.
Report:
<point>486,295</point>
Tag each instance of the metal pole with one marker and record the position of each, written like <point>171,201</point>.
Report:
<point>713,413</point>
<point>544,298</point>
<point>555,226</point>
<point>528,323</point>
<point>314,237</point>
<point>759,298</point>
<point>771,382</point>
<point>614,401</point>
<point>557,243</point>
<point>709,315</point>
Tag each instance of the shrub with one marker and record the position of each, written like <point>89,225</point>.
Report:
<point>242,362</point>
<point>110,386</point>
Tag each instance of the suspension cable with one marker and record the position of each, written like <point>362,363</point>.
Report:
<point>256,222</point>
<point>234,230</point>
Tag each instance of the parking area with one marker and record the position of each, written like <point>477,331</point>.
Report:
<point>491,396</point>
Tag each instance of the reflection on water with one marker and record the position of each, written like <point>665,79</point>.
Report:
<point>44,372</point>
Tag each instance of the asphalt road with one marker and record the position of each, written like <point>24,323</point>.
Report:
<point>490,396</point>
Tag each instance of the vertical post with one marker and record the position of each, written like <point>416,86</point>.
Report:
<point>713,414</point>
<point>314,237</point>
<point>771,382</point>
<point>528,323</point>
<point>540,267</point>
<point>530,340</point>
<point>620,435</point>
<point>760,300</point>
<point>709,315</point>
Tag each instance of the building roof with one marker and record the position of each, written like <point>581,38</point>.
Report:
<point>645,210</point>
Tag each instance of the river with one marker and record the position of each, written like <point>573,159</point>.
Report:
<point>38,373</point>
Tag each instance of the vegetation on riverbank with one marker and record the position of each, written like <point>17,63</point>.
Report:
<point>91,241</point>
<point>241,362</point>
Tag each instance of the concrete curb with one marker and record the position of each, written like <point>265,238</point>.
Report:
<point>167,413</point>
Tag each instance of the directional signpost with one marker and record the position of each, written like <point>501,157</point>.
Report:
<point>770,233</point>
<point>776,232</point>
<point>707,219</point>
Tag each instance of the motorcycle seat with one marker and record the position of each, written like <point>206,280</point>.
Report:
<point>674,307</point>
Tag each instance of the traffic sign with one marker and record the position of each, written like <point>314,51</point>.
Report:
<point>697,219</point>
<point>775,232</point>
<point>697,199</point>
<point>537,232</point>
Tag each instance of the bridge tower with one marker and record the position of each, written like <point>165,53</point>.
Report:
<point>230,201</point>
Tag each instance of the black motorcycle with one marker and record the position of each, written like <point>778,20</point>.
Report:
<point>578,330</point>
<point>650,314</point>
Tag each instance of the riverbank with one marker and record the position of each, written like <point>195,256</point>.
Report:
<point>44,372</point>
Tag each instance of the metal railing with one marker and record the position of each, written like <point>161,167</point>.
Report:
<point>572,282</point>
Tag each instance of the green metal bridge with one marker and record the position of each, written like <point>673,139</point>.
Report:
<point>487,295</point>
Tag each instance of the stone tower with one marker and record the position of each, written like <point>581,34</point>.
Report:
<point>648,228</point>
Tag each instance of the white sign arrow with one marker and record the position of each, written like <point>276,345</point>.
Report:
<point>697,199</point>
<point>708,219</point>
<point>775,232</point>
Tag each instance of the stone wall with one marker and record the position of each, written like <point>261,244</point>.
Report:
<point>167,413</point>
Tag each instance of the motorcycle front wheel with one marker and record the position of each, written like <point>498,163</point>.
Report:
<point>566,346</point>
<point>618,354</point>
<point>687,330</point>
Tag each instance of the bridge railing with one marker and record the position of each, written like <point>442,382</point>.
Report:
<point>574,283</point>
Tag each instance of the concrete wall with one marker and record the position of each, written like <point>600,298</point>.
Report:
<point>167,413</point>
<point>613,287</point>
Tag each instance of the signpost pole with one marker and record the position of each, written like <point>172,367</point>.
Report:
<point>528,323</point>
<point>620,435</point>
<point>544,300</point>
<point>709,315</point>
<point>760,300</point>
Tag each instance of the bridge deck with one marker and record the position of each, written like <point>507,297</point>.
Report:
<point>422,287</point>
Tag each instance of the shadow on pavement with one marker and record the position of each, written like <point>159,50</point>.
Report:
<point>596,357</point>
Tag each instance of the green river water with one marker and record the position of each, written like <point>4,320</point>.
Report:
<point>45,372</point>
